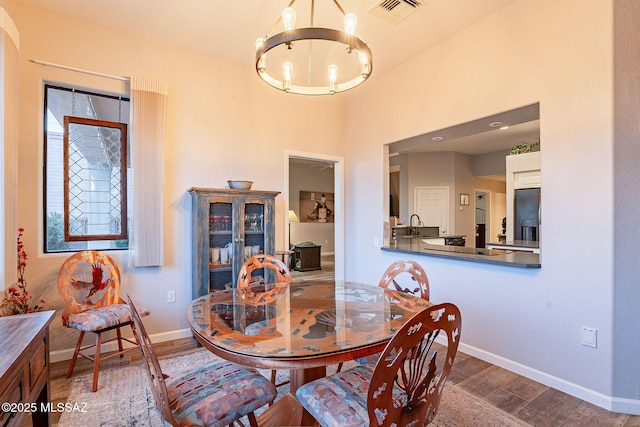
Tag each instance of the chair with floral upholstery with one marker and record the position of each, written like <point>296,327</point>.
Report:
<point>216,394</point>
<point>247,281</point>
<point>89,284</point>
<point>403,389</point>
<point>247,284</point>
<point>400,276</point>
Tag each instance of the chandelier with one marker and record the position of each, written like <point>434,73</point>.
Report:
<point>327,61</point>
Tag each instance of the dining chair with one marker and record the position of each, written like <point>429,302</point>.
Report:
<point>89,284</point>
<point>247,285</point>
<point>400,276</point>
<point>403,388</point>
<point>414,273</point>
<point>216,394</point>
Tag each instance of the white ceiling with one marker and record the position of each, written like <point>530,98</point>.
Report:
<point>229,28</point>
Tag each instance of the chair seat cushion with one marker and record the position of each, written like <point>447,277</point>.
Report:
<point>339,399</point>
<point>101,318</point>
<point>369,360</point>
<point>217,394</point>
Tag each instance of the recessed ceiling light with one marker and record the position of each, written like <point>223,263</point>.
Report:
<point>437,138</point>
<point>496,124</point>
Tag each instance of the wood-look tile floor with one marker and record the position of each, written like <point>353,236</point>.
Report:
<point>528,400</point>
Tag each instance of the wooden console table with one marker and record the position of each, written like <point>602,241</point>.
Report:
<point>24,368</point>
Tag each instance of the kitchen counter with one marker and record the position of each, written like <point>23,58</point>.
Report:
<point>502,257</point>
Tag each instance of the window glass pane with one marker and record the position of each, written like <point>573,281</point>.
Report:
<point>95,175</point>
<point>61,102</point>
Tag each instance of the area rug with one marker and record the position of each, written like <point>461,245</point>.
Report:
<point>124,399</point>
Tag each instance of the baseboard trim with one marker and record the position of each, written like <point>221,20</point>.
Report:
<point>66,354</point>
<point>613,404</point>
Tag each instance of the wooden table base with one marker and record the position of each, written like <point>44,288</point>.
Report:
<point>287,411</point>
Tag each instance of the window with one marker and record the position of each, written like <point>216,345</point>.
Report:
<point>86,177</point>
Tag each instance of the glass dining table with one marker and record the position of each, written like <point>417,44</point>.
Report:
<point>300,326</point>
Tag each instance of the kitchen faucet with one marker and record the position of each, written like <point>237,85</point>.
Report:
<point>411,229</point>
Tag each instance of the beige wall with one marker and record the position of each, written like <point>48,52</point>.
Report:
<point>557,53</point>
<point>223,123</point>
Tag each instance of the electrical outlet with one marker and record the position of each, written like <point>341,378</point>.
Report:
<point>171,296</point>
<point>589,337</point>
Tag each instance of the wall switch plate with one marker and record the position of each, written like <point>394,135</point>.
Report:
<point>589,337</point>
<point>171,296</point>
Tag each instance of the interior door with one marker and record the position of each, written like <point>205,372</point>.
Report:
<point>432,206</point>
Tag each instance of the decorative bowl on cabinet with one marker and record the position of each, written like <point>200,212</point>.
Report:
<point>240,185</point>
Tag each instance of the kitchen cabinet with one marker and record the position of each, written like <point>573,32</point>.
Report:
<point>228,226</point>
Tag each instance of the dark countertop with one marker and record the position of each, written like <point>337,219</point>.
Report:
<point>528,244</point>
<point>444,236</point>
<point>486,256</point>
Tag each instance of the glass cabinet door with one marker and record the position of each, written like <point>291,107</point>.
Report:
<point>253,229</point>
<point>220,245</point>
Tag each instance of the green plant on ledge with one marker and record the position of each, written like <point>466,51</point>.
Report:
<point>525,147</point>
<point>17,300</point>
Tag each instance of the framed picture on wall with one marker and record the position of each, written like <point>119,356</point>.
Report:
<point>316,206</point>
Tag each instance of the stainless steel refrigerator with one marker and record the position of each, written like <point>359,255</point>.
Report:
<point>527,214</point>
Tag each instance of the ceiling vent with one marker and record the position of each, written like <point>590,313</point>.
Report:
<point>394,11</point>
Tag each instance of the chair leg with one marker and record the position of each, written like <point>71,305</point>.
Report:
<point>96,362</point>
<point>75,354</point>
<point>119,342</point>
<point>339,368</point>
<point>252,419</point>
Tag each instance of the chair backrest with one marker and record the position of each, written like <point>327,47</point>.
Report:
<point>86,280</point>
<point>150,360</point>
<point>409,377</point>
<point>247,288</point>
<point>390,278</point>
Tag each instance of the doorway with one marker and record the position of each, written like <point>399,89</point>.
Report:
<point>482,217</point>
<point>315,177</point>
<point>432,206</point>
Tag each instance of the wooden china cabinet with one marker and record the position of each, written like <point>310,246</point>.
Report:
<point>236,220</point>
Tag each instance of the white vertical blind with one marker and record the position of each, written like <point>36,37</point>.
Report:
<point>148,129</point>
<point>9,54</point>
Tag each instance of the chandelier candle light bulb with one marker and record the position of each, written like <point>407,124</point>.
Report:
<point>365,68</point>
<point>289,19</point>
<point>287,70</point>
<point>350,22</point>
<point>332,70</point>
